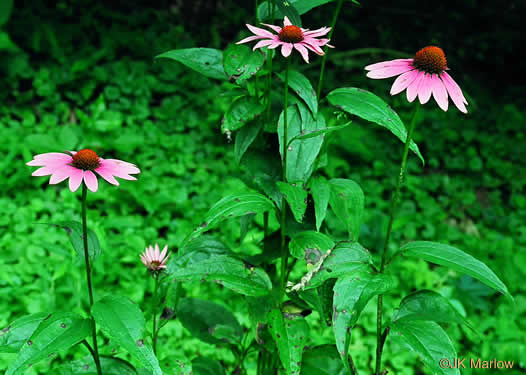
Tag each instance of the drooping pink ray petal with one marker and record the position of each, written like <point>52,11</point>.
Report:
<point>387,64</point>
<point>403,81</point>
<point>454,92</point>
<point>439,92</point>
<point>303,51</point>
<point>61,174</point>
<point>286,21</point>
<point>273,27</point>
<point>106,174</point>
<point>286,49</point>
<point>44,171</point>
<point>91,181</point>
<point>318,32</point>
<point>390,71</point>
<point>314,48</point>
<point>260,32</point>
<point>262,43</point>
<point>250,39</point>
<point>424,90</point>
<point>275,44</point>
<point>412,89</point>
<point>75,179</point>
<point>163,253</point>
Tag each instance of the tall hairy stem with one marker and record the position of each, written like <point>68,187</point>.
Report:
<point>95,351</point>
<point>394,202</point>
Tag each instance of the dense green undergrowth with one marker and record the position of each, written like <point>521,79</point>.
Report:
<point>64,88</point>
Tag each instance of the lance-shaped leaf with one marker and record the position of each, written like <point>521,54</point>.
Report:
<point>428,305</point>
<point>123,321</point>
<point>303,88</point>
<point>346,258</point>
<point>322,360</point>
<point>228,271</point>
<point>430,341</point>
<point>370,107</point>
<point>302,6</point>
<point>74,231</point>
<point>319,132</point>
<point>296,197</point>
<point>288,10</point>
<point>241,111</point>
<point>241,63</point>
<point>109,366</point>
<point>13,337</point>
<point>245,136</point>
<point>206,61</point>
<point>204,318</point>
<point>321,193</point>
<point>197,250</point>
<point>456,259</point>
<point>231,207</point>
<point>301,153</point>
<point>290,334</point>
<point>351,295</point>
<point>310,245</point>
<point>58,332</point>
<point>207,366</point>
<point>347,202</point>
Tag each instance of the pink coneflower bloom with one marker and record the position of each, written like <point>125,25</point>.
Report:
<point>80,166</point>
<point>154,259</point>
<point>289,37</point>
<point>423,75</point>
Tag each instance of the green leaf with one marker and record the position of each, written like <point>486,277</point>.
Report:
<point>230,272</point>
<point>429,340</point>
<point>321,193</point>
<point>241,63</point>
<point>370,107</point>
<point>351,295</point>
<point>322,360</point>
<point>17,333</point>
<point>303,88</point>
<point>57,332</point>
<point>319,132</point>
<point>231,207</point>
<point>347,202</point>
<point>346,258</point>
<point>245,137</point>
<point>6,6</point>
<point>202,318</point>
<point>301,153</point>
<point>206,61</point>
<point>241,111</point>
<point>456,259</point>
<point>310,245</point>
<point>296,197</point>
<point>123,321</point>
<point>290,335</point>
<point>109,366</point>
<point>207,366</point>
<point>428,305</point>
<point>288,10</point>
<point>74,230</point>
<point>182,366</point>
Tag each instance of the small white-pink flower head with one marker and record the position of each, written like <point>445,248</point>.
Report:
<point>422,76</point>
<point>154,259</point>
<point>289,37</point>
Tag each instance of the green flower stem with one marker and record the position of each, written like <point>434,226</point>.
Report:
<point>394,201</point>
<point>284,249</point>
<point>155,303</point>
<point>269,63</point>
<point>324,58</point>
<point>95,352</point>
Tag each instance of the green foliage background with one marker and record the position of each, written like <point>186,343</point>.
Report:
<point>81,74</point>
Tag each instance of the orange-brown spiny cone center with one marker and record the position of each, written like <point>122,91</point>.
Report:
<point>291,34</point>
<point>86,159</point>
<point>430,60</point>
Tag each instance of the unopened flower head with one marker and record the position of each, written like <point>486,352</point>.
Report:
<point>289,37</point>
<point>154,259</point>
<point>423,75</point>
<point>79,166</point>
